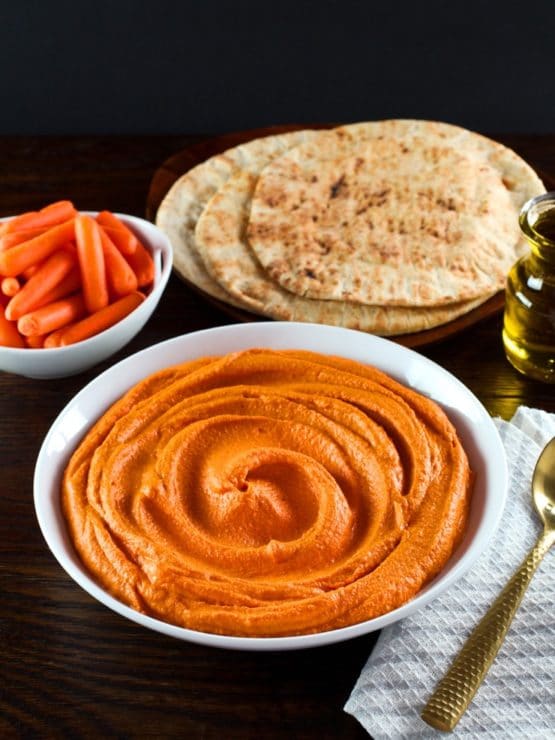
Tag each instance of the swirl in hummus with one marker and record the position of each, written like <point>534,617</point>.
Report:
<point>267,493</point>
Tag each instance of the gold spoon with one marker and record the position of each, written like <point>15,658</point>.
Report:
<point>456,689</point>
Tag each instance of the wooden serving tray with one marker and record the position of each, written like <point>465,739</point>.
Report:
<point>176,165</point>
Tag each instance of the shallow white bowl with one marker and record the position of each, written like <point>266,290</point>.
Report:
<point>473,423</point>
<point>60,362</point>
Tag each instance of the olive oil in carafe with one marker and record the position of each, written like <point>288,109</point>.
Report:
<point>529,319</point>
<point>544,225</point>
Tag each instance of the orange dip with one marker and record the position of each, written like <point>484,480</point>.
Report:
<point>267,493</point>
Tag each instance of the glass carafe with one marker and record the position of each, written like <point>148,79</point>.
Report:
<point>529,319</point>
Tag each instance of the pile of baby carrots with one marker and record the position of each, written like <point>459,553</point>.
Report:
<point>66,276</point>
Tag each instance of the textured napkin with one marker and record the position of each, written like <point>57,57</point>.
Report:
<point>517,697</point>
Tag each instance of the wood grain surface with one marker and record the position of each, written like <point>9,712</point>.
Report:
<point>69,667</point>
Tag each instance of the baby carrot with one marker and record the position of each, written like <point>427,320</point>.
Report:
<point>126,243</point>
<point>101,320</point>
<point>35,341</point>
<point>47,277</point>
<point>124,239</point>
<point>30,271</point>
<point>65,287</point>
<point>51,215</point>
<point>53,339</point>
<point>18,237</point>
<point>10,286</point>
<point>142,265</point>
<point>17,259</point>
<point>52,316</point>
<point>119,275</point>
<point>91,263</point>
<point>9,336</point>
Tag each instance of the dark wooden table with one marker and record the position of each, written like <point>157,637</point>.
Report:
<point>69,667</point>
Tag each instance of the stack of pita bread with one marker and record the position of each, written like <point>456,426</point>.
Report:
<point>391,227</point>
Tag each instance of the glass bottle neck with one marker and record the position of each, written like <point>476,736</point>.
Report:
<point>543,252</point>
<point>537,223</point>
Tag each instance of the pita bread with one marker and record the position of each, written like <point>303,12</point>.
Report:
<point>179,211</point>
<point>220,237</point>
<point>207,215</point>
<point>391,213</point>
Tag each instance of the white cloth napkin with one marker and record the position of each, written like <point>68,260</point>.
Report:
<point>517,697</point>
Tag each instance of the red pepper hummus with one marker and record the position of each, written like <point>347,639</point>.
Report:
<point>267,493</point>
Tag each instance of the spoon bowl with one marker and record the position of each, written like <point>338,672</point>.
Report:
<point>543,486</point>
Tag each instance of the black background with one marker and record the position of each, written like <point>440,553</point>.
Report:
<point>188,67</point>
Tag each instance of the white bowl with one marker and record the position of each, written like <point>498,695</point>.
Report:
<point>474,425</point>
<point>60,362</point>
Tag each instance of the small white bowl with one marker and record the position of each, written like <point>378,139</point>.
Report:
<point>473,423</point>
<point>61,362</point>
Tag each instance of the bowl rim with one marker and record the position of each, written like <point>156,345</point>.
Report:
<point>163,263</point>
<point>479,425</point>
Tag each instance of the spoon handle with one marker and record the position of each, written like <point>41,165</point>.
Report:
<point>456,689</point>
